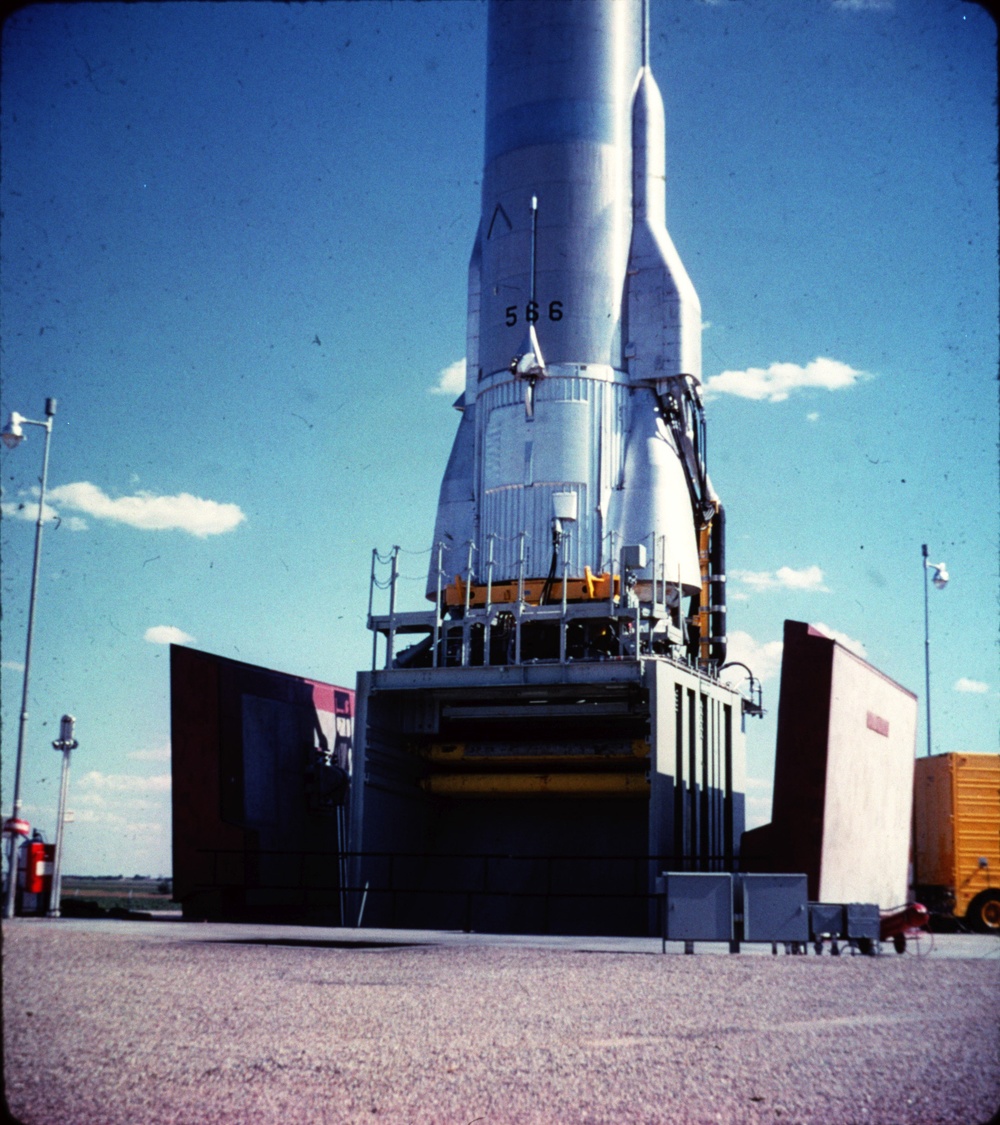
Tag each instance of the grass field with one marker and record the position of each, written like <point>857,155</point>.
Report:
<point>111,893</point>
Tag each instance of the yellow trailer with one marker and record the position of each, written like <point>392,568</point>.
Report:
<point>956,814</point>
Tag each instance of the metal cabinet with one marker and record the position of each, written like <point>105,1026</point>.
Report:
<point>699,906</point>
<point>775,908</point>
<point>826,919</point>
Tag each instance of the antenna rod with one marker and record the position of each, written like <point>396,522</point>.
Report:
<point>645,33</point>
<point>534,240</point>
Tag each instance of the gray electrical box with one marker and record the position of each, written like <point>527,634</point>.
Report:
<point>775,908</point>
<point>826,919</point>
<point>634,557</point>
<point>699,906</point>
<point>863,921</point>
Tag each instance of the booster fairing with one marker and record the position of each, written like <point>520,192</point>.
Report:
<point>583,360</point>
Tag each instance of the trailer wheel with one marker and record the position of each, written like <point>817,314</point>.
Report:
<point>984,912</point>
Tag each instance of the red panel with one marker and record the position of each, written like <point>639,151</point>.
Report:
<point>878,724</point>
<point>194,740</point>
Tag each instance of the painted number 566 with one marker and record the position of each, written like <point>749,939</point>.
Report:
<point>531,312</point>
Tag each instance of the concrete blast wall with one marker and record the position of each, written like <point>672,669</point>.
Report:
<point>843,775</point>
<point>260,759</point>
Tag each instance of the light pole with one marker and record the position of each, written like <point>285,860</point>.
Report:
<point>11,436</point>
<point>940,580</point>
<point>66,743</point>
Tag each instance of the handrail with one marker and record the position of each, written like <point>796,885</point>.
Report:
<point>465,613</point>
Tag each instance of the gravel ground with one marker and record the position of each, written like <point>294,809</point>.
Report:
<point>121,1025</point>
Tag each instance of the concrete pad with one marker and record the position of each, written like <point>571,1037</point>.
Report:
<point>130,1022</point>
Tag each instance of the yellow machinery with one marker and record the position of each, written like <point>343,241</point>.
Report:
<point>592,587</point>
<point>613,768</point>
<point>956,813</point>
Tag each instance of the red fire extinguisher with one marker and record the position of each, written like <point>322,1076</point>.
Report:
<point>35,874</point>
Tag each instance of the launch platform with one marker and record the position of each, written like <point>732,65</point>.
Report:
<point>540,795</point>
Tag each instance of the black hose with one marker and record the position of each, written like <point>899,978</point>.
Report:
<point>550,580</point>
<point>717,597</point>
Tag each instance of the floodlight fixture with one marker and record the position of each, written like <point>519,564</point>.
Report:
<point>940,576</point>
<point>13,434</point>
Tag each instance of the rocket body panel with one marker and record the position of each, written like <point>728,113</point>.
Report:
<point>559,80</point>
<point>455,525</point>
<point>571,445</point>
<point>654,498</point>
<point>572,244</point>
<point>663,313</point>
<point>472,367</point>
<point>581,248</point>
<point>662,310</point>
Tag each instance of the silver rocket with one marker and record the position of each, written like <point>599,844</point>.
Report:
<point>581,415</point>
<point>561,698</point>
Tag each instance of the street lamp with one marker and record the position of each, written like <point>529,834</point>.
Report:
<point>12,435</point>
<point>66,743</point>
<point>940,580</point>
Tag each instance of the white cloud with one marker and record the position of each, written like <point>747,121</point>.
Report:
<point>764,660</point>
<point>113,820</point>
<point>784,578</point>
<point>12,666</point>
<point>150,512</point>
<point>124,783</point>
<point>777,382</point>
<point>812,416</point>
<point>809,578</point>
<point>843,639</point>
<point>28,510</point>
<point>864,5</point>
<point>167,635</point>
<point>120,801</point>
<point>451,380</point>
<point>972,687</point>
<point>123,805</point>
<point>158,754</point>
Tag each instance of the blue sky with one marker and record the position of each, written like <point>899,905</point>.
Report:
<point>234,247</point>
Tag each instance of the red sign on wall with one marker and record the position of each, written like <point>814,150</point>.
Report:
<point>878,724</point>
